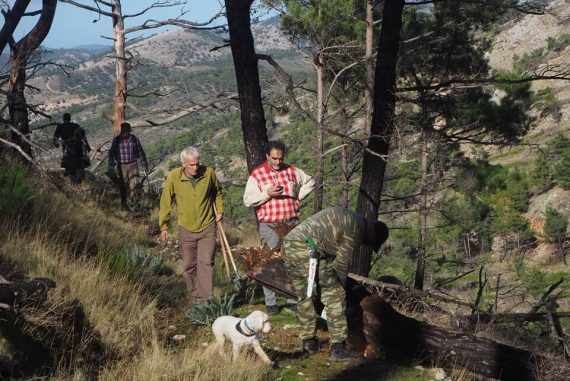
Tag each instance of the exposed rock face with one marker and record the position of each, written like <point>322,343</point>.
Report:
<point>556,197</point>
<point>530,32</point>
<point>559,199</point>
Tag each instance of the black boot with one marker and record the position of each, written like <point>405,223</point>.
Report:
<point>272,310</point>
<point>310,346</point>
<point>340,352</point>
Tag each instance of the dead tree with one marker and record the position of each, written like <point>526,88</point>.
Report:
<point>114,11</point>
<point>21,52</point>
<point>12,17</point>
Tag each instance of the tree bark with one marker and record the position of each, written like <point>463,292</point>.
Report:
<point>319,175</point>
<point>19,58</point>
<point>369,65</point>
<point>121,90</point>
<point>397,334</point>
<point>382,125</point>
<point>423,212</point>
<point>247,76</point>
<point>11,20</point>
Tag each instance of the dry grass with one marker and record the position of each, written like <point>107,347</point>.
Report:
<point>63,240</point>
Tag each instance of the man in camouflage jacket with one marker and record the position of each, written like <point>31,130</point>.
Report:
<point>338,234</point>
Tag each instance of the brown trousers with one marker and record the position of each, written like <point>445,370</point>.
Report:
<point>198,261</point>
<point>129,174</point>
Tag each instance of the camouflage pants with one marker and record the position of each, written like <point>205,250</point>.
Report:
<point>332,294</point>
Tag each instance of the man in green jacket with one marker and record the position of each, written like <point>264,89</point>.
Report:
<point>198,196</point>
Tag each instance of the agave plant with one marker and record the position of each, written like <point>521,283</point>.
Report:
<point>214,307</point>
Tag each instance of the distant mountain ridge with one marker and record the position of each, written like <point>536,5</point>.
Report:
<point>182,65</point>
<point>93,48</point>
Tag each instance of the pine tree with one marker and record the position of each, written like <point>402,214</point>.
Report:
<point>555,230</point>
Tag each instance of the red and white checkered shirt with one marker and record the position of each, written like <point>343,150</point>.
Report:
<point>284,207</point>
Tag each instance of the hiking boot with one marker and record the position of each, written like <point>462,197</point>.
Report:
<point>272,310</point>
<point>340,352</point>
<point>310,346</point>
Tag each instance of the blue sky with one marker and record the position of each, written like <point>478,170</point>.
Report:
<point>74,26</point>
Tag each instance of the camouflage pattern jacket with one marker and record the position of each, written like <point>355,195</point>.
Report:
<point>337,232</point>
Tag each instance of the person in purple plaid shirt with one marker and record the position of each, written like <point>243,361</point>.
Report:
<point>126,150</point>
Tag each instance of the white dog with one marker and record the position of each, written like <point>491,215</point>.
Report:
<point>241,332</point>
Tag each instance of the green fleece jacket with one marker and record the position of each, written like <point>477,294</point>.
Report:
<point>194,203</point>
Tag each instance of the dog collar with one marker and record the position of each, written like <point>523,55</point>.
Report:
<point>238,328</point>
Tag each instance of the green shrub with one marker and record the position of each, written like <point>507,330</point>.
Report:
<point>562,169</point>
<point>545,100</point>
<point>16,192</point>
<point>139,257</point>
<point>542,174</point>
<point>558,44</point>
<point>205,313</point>
<point>555,226</point>
<point>133,262</point>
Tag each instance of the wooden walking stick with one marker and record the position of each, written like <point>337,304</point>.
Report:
<point>223,245</point>
<point>225,241</point>
<point>223,233</point>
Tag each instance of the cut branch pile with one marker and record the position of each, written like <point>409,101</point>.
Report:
<point>266,266</point>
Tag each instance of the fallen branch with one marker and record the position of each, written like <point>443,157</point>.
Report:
<point>24,292</point>
<point>542,301</point>
<point>386,330</point>
<point>183,113</point>
<point>409,291</point>
<point>489,318</point>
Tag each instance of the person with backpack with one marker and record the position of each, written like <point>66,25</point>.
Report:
<point>64,132</point>
<point>75,158</point>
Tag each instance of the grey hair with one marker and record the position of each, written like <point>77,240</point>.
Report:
<point>189,151</point>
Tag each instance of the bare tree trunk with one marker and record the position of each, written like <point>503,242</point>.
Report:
<point>121,91</point>
<point>561,249</point>
<point>420,260</point>
<point>247,75</point>
<point>369,65</point>
<point>17,108</point>
<point>383,122</point>
<point>319,141</point>
<point>345,176</point>
<point>344,158</point>
<point>21,53</point>
<point>11,20</point>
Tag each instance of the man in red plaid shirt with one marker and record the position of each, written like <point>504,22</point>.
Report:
<point>274,189</point>
<point>126,150</point>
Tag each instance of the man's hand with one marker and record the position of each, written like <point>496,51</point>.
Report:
<point>219,217</point>
<point>275,190</point>
<point>164,236</point>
